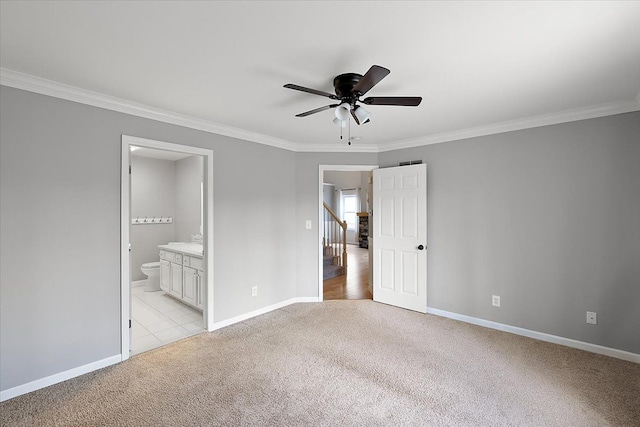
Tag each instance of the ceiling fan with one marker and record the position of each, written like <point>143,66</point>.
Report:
<point>349,87</point>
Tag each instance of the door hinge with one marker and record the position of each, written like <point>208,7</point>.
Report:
<point>129,169</point>
<point>129,323</point>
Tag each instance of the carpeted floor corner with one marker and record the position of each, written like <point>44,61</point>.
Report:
<point>342,363</point>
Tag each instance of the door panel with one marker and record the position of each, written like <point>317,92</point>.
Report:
<point>385,216</point>
<point>409,224</point>
<point>409,278</point>
<point>387,269</point>
<point>399,228</point>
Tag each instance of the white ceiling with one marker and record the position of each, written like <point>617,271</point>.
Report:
<point>481,67</point>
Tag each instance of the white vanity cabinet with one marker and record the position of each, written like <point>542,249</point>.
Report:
<point>181,276</point>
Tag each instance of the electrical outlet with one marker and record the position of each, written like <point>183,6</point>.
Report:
<point>592,317</point>
<point>254,291</point>
<point>495,300</point>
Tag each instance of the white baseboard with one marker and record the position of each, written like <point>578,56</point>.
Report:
<point>139,283</point>
<point>593,348</point>
<point>59,377</point>
<point>305,299</point>
<point>260,311</point>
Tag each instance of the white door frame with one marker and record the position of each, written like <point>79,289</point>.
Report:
<point>321,170</point>
<point>125,224</point>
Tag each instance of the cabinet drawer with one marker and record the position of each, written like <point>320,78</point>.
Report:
<point>171,256</point>
<point>196,263</point>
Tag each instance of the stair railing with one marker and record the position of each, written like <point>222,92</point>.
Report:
<point>334,240</point>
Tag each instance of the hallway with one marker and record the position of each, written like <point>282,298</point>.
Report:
<point>355,284</point>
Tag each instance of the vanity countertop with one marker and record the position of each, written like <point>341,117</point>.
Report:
<point>193,249</point>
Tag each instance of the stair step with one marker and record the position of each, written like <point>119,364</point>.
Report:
<point>330,271</point>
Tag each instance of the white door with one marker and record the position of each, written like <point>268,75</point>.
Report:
<point>400,236</point>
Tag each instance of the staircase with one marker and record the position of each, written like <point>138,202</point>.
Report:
<point>334,245</point>
<point>329,268</point>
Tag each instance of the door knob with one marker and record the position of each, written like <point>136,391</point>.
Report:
<point>420,247</point>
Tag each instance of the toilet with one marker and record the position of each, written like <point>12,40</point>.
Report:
<point>152,271</point>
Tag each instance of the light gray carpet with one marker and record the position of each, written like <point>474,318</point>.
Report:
<point>345,363</point>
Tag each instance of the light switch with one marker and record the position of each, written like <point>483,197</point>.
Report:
<point>308,224</point>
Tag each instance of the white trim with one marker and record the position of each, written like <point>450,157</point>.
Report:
<point>260,311</point>
<point>339,147</point>
<point>581,345</point>
<point>125,224</point>
<point>57,378</point>
<point>592,112</point>
<point>321,170</point>
<point>42,86</point>
<point>305,299</point>
<point>125,267</point>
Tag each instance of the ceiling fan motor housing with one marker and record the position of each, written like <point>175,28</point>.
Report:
<point>343,85</point>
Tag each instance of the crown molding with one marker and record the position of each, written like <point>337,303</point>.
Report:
<point>71,93</point>
<point>338,147</point>
<point>55,89</point>
<point>566,116</point>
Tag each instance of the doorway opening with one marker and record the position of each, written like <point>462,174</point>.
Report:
<point>167,242</point>
<point>345,203</point>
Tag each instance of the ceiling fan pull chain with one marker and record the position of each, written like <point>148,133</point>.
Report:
<point>349,132</point>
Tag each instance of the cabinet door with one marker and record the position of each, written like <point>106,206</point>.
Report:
<point>189,285</point>
<point>176,280</point>
<point>165,275</point>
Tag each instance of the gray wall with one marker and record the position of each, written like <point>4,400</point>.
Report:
<point>60,228</point>
<point>547,218</point>
<point>188,209</point>
<point>153,193</point>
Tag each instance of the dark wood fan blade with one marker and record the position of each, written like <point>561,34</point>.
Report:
<point>408,101</point>
<point>372,78</point>
<point>317,110</point>
<point>313,91</point>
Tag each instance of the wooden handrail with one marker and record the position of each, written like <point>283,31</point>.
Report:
<point>330,241</point>
<point>343,224</point>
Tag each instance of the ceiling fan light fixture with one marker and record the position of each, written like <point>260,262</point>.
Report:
<point>363,115</point>
<point>341,123</point>
<point>342,112</point>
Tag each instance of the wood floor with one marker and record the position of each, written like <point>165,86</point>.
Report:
<point>355,284</point>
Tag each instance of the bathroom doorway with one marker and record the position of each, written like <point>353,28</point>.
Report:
<point>167,242</point>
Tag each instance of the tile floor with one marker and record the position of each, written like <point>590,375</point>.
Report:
<point>159,319</point>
